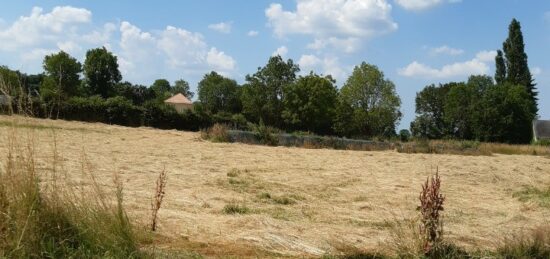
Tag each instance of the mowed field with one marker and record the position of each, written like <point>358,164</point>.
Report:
<point>302,202</point>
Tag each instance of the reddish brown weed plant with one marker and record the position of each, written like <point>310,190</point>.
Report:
<point>431,206</point>
<point>157,199</point>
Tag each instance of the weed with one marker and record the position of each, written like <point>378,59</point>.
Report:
<point>431,205</point>
<point>157,198</point>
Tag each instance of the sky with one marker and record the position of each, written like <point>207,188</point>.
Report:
<point>414,42</point>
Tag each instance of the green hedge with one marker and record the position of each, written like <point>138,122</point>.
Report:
<point>120,111</point>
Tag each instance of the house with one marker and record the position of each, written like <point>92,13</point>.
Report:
<point>179,102</point>
<point>541,129</point>
<point>4,100</point>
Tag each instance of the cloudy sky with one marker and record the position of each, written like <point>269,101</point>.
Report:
<point>415,42</point>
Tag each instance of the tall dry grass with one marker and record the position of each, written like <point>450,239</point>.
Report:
<point>43,215</point>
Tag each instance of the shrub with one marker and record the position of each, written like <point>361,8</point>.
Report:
<point>404,135</point>
<point>216,133</point>
<point>266,134</point>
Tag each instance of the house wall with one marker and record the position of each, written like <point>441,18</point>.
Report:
<point>180,107</point>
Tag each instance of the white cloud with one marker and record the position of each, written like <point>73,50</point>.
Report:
<point>333,22</point>
<point>219,60</point>
<point>36,55</point>
<point>486,55</point>
<point>327,66</point>
<point>142,55</point>
<point>69,46</point>
<point>252,33</point>
<point>308,62</point>
<point>100,37</point>
<point>281,51</point>
<point>41,28</point>
<point>145,55</point>
<point>475,66</point>
<point>446,50</point>
<point>223,27</point>
<point>182,47</point>
<point>418,5</point>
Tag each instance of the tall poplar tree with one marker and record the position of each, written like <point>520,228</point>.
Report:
<point>517,69</point>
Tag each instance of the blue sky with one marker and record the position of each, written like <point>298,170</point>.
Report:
<point>415,42</point>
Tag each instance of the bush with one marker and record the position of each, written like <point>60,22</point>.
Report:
<point>216,133</point>
<point>266,135</point>
<point>404,135</point>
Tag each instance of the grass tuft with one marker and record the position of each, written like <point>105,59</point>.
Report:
<point>233,208</point>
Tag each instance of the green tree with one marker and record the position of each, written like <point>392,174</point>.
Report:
<point>500,73</point>
<point>374,102</point>
<point>9,82</point>
<point>101,71</point>
<point>162,89</point>
<point>62,72</point>
<point>310,104</point>
<point>506,115</point>
<point>462,105</point>
<point>262,95</point>
<point>181,86</point>
<point>138,94</point>
<point>219,94</point>
<point>517,68</point>
<point>430,108</point>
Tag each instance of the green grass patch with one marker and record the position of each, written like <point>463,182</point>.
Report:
<point>530,193</point>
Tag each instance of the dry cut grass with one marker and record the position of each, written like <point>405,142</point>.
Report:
<point>297,202</point>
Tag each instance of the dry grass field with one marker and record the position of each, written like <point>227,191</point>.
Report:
<point>300,202</point>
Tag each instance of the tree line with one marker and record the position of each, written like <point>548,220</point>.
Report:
<point>366,106</point>
<point>499,110</point>
<point>275,95</point>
